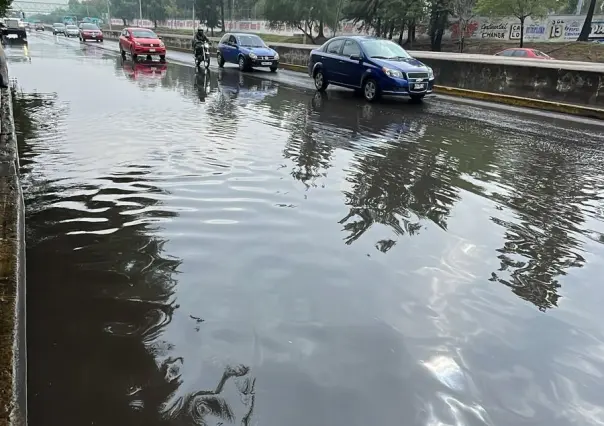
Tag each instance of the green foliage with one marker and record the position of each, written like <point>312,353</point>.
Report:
<point>521,9</point>
<point>4,6</point>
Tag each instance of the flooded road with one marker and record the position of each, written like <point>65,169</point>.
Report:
<point>226,249</point>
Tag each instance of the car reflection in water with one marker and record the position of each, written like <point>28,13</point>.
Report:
<point>244,88</point>
<point>146,74</point>
<point>361,121</point>
<point>18,53</point>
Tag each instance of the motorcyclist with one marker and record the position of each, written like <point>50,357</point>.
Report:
<point>199,39</point>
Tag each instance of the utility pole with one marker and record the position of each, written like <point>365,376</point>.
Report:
<point>335,28</point>
<point>579,7</point>
<point>194,29</point>
<point>109,15</point>
<point>140,10</point>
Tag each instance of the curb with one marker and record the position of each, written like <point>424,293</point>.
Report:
<point>13,354</point>
<point>578,110</point>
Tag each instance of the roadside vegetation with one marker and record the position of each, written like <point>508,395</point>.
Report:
<point>394,19</point>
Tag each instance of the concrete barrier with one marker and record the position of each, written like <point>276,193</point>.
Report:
<point>13,354</point>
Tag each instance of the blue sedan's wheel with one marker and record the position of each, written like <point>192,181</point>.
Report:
<point>220,60</point>
<point>320,81</point>
<point>371,91</point>
<point>242,64</point>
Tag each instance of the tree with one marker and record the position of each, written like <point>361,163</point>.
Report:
<point>586,29</point>
<point>463,11</point>
<point>125,9</point>
<point>301,14</point>
<point>157,10</point>
<point>521,9</point>
<point>4,6</point>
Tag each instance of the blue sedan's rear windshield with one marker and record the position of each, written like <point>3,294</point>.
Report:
<point>384,49</point>
<point>251,41</point>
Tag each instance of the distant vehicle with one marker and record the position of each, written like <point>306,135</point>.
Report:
<point>523,53</point>
<point>246,50</point>
<point>72,31</point>
<point>40,26</point>
<point>141,41</point>
<point>14,29</point>
<point>95,21</point>
<point>58,28</point>
<point>90,32</point>
<point>372,65</point>
<point>70,20</point>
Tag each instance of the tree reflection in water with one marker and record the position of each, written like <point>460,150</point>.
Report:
<point>104,292</point>
<point>541,243</point>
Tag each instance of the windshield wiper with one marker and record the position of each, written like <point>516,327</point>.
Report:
<point>379,57</point>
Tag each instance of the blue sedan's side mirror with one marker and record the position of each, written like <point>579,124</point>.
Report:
<point>356,58</point>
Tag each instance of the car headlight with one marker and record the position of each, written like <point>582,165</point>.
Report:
<point>161,44</point>
<point>276,56</point>
<point>430,73</point>
<point>392,73</point>
<point>252,55</point>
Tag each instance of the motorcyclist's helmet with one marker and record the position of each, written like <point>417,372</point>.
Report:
<point>200,29</point>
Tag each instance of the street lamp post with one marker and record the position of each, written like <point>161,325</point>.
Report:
<point>140,11</point>
<point>335,28</point>
<point>109,15</point>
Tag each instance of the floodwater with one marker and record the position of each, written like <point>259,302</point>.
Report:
<point>228,249</point>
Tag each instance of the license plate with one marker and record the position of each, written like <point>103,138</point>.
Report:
<point>11,36</point>
<point>151,50</point>
<point>267,63</point>
<point>418,86</point>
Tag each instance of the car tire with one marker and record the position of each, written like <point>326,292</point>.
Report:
<point>220,60</point>
<point>417,98</point>
<point>242,64</point>
<point>133,55</point>
<point>273,69</point>
<point>321,82</point>
<point>123,53</point>
<point>162,58</point>
<point>371,90</point>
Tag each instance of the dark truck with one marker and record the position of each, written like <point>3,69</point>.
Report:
<point>14,28</point>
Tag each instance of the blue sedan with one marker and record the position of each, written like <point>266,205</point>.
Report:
<point>374,66</point>
<point>246,50</point>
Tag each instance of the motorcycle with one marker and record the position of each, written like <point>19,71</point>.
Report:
<point>202,55</point>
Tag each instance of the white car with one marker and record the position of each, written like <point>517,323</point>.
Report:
<point>72,31</point>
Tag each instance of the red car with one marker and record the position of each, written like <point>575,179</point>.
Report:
<point>141,41</point>
<point>90,32</point>
<point>524,53</point>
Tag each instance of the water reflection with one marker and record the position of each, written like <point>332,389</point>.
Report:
<point>108,288</point>
<point>244,88</point>
<point>176,277</point>
<point>542,242</point>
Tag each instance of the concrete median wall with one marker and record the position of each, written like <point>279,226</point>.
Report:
<point>554,81</point>
<point>13,356</point>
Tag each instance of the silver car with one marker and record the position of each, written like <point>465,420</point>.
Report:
<point>72,31</point>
